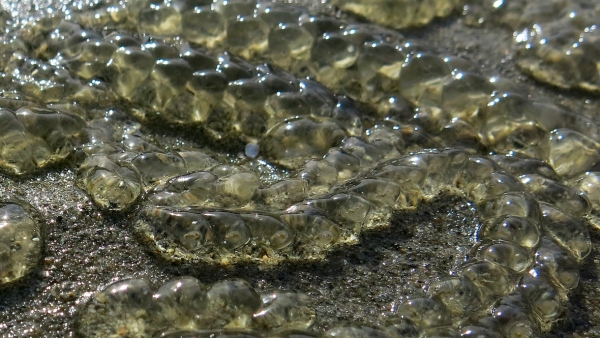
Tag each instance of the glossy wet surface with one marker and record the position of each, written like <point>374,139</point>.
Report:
<point>160,188</point>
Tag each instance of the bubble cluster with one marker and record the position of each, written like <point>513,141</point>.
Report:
<point>184,306</point>
<point>399,13</point>
<point>556,41</point>
<point>21,241</point>
<point>380,125</point>
<point>35,137</point>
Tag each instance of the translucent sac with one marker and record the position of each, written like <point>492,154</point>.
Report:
<point>181,302</point>
<point>284,310</point>
<point>409,177</point>
<point>269,231</point>
<point>21,152</point>
<point>569,232</point>
<point>239,187</point>
<point>368,153</point>
<point>557,194</point>
<point>512,204</point>
<point>128,68</point>
<point>472,331</point>
<point>386,136</point>
<point>459,133</point>
<point>230,231</point>
<point>286,104</point>
<point>349,209</point>
<point>355,331</point>
<point>513,316</point>
<point>588,184</point>
<point>208,87</point>
<point>203,26</point>
<point>155,167</point>
<point>346,164</point>
<point>159,20</point>
<point>195,189</point>
<point>316,229</point>
<point>332,50</point>
<point>21,241</point>
<point>122,308</point>
<point>111,185</point>
<point>507,255</point>
<point>465,94</point>
<point>398,14</point>
<point>170,77</point>
<point>459,295</point>
<point>380,61</point>
<point>91,59</point>
<point>424,312</point>
<point>245,94</point>
<point>560,264</point>
<point>348,114</point>
<point>231,304</point>
<point>197,160</point>
<point>492,186</point>
<point>492,279</point>
<point>232,9</point>
<point>189,229</point>
<point>320,175</point>
<point>225,333</point>
<point>293,140</point>
<point>289,44</point>
<point>284,193</point>
<point>422,77</point>
<point>571,153</point>
<point>519,230</point>
<point>378,192</point>
<point>545,298</point>
<point>247,36</point>
<point>518,165</point>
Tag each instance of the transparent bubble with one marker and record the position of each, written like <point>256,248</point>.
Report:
<point>21,241</point>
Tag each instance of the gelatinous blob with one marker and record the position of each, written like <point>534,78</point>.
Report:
<point>399,13</point>
<point>351,160</point>
<point>112,185</point>
<point>21,241</point>
<point>185,305</point>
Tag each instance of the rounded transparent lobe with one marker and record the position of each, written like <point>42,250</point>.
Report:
<point>180,303</point>
<point>355,330</point>
<point>284,310</point>
<point>545,298</point>
<point>231,304</point>
<point>292,141</point>
<point>569,232</point>
<point>559,263</point>
<point>124,308</point>
<point>519,230</point>
<point>155,167</point>
<point>203,26</point>
<point>571,153</point>
<point>512,204</point>
<point>492,279</point>
<point>230,230</point>
<point>349,209</point>
<point>317,229</point>
<point>21,241</point>
<point>557,194</point>
<point>508,255</point>
<point>269,231</point>
<point>459,295</point>
<point>424,312</point>
<point>112,185</point>
<point>588,184</point>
